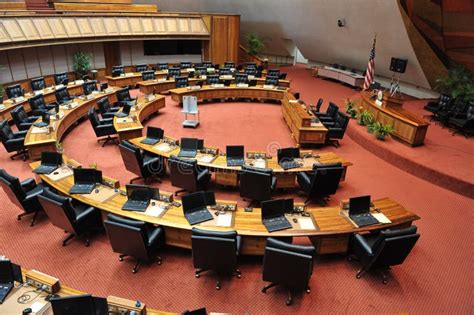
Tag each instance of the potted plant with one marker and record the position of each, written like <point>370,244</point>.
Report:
<point>81,64</point>
<point>365,118</point>
<point>381,130</point>
<point>255,43</point>
<point>459,83</point>
<point>350,108</point>
<point>371,127</point>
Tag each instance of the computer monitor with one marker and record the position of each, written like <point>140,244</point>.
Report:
<point>45,117</point>
<point>17,273</point>
<point>200,144</point>
<point>51,158</point>
<point>359,205</point>
<point>101,306</point>
<point>273,208</point>
<point>189,144</point>
<point>210,198</point>
<point>154,193</point>
<point>73,305</point>
<point>104,86</point>
<point>196,200</point>
<point>6,271</point>
<point>289,205</point>
<point>288,154</point>
<point>117,71</point>
<point>137,192</point>
<point>235,151</point>
<point>154,133</point>
<point>87,176</point>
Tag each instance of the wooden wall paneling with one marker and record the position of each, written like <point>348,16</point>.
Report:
<point>32,66</point>
<point>45,58</point>
<point>5,73</point>
<point>59,58</point>
<point>219,39</point>
<point>17,65</point>
<point>112,55</point>
<point>233,38</point>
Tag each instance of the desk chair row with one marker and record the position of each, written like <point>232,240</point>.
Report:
<point>284,263</point>
<point>334,120</point>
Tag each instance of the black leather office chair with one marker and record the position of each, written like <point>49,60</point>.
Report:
<point>316,108</point>
<point>123,97</point>
<point>202,70</point>
<point>216,251</point>
<point>141,68</point>
<point>62,95</point>
<point>142,164</point>
<point>161,66</point>
<point>14,91</point>
<point>443,101</point>
<point>282,76</point>
<point>23,194</point>
<point>102,127</point>
<point>336,129</point>
<point>273,72</point>
<point>106,111</point>
<point>38,105</point>
<point>21,119</point>
<point>174,72</point>
<point>251,65</point>
<point>186,175</point>
<point>133,238</point>
<point>61,78</point>
<point>330,114</point>
<point>38,84</point>
<point>117,71</point>
<point>185,64</point>
<point>463,124</point>
<point>271,80</point>
<point>213,79</point>
<point>241,78</point>
<point>89,87</point>
<point>207,64</point>
<point>225,71</point>
<point>148,75</point>
<point>229,64</point>
<point>322,182</point>
<point>257,184</point>
<point>13,141</point>
<point>288,265</point>
<point>457,109</point>
<point>181,82</point>
<point>382,250</point>
<point>71,216</point>
<point>251,71</point>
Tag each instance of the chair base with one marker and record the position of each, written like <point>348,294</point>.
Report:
<point>138,262</point>
<point>107,140</point>
<point>87,242</point>
<point>236,273</point>
<point>289,300</point>
<point>22,153</point>
<point>33,220</point>
<point>335,143</point>
<point>145,179</point>
<point>383,272</point>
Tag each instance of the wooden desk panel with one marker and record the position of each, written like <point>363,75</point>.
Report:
<point>155,86</point>
<point>37,143</point>
<point>333,228</point>
<point>408,128</point>
<point>146,108</point>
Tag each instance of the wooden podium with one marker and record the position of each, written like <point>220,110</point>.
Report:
<point>392,101</point>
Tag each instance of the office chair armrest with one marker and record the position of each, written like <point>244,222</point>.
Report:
<point>154,236</point>
<point>85,214</point>
<point>108,120</point>
<point>32,119</point>
<point>151,160</point>
<point>26,125</point>
<point>303,178</point>
<point>16,141</point>
<point>238,242</point>
<point>274,183</point>
<point>33,195</point>
<point>326,118</point>
<point>105,126</point>
<point>28,184</point>
<point>203,174</point>
<point>20,134</point>
<point>335,129</point>
<point>360,246</point>
<point>329,123</point>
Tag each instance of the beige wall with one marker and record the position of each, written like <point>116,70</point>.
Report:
<point>312,26</point>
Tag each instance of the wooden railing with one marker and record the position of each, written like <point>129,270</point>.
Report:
<point>245,56</point>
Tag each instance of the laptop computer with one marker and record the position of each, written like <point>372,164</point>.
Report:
<point>359,211</point>
<point>273,214</point>
<point>195,208</point>
<point>125,111</point>
<point>50,161</point>
<point>44,120</point>
<point>286,158</point>
<point>153,135</point>
<point>85,180</point>
<point>6,279</point>
<point>235,155</point>
<point>138,198</point>
<point>189,147</point>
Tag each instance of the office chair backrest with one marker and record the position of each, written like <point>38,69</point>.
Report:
<point>444,100</point>
<point>318,105</point>
<point>470,111</point>
<point>214,250</point>
<point>251,71</point>
<point>6,132</point>
<point>11,186</point>
<point>393,246</point>
<point>326,179</point>
<point>287,264</point>
<point>93,117</point>
<point>342,120</point>
<point>62,95</point>
<point>103,104</point>
<point>37,102</point>
<point>127,236</point>
<point>202,70</point>
<point>37,84</point>
<point>14,91</point>
<point>185,64</point>
<point>141,68</point>
<point>183,173</point>
<point>131,156</point>
<point>173,72</point>
<point>19,115</point>
<point>58,209</point>
<point>271,80</point>
<point>61,78</point>
<point>89,87</point>
<point>282,76</point>
<point>241,78</point>
<point>256,185</point>
<point>123,95</point>
<point>161,66</point>
<point>273,72</point>
<point>229,64</point>
<point>181,82</point>
<point>117,71</point>
<point>212,79</point>
<point>332,110</point>
<point>148,75</point>
<point>251,65</point>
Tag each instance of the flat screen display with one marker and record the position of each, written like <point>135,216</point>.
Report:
<point>171,47</point>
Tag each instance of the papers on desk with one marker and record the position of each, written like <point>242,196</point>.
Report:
<point>105,193</point>
<point>306,223</point>
<point>19,99</point>
<point>150,97</point>
<point>242,85</point>
<point>268,86</point>
<point>59,86</point>
<point>260,163</point>
<point>38,92</point>
<point>190,69</point>
<point>381,218</point>
<point>129,74</point>
<point>37,130</point>
<point>293,101</point>
<point>162,80</point>
<point>79,82</point>
<point>108,90</point>
<point>204,77</point>
<point>2,107</point>
<point>224,219</point>
<point>217,85</point>
<point>60,173</point>
<point>206,158</point>
<point>158,210</point>
<point>163,147</point>
<point>125,120</point>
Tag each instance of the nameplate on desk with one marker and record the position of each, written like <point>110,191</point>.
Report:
<point>268,86</point>
<point>251,77</point>
<point>38,92</point>
<point>211,70</point>
<point>165,71</point>
<point>378,103</point>
<point>129,74</point>
<point>70,83</point>
<point>242,85</point>
<point>194,87</point>
<point>293,101</point>
<point>59,86</point>
<point>161,80</point>
<point>190,69</point>
<point>150,98</point>
<point>217,85</point>
<point>79,82</point>
<point>2,107</point>
<point>19,99</point>
<point>226,77</point>
<point>108,90</point>
<point>122,75</point>
<point>204,77</point>
<point>37,130</point>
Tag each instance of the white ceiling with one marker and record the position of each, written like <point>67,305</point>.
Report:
<point>312,26</point>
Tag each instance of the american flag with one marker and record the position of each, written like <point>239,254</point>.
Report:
<point>369,74</point>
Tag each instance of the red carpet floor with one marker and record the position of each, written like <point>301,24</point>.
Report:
<point>436,278</point>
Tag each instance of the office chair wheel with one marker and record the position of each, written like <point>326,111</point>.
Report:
<point>239,276</point>
<point>288,302</point>
<point>308,290</point>
<point>134,271</point>
<point>87,243</point>
<point>197,275</point>
<point>358,276</point>
<point>384,281</point>
<point>264,290</point>
<point>218,285</point>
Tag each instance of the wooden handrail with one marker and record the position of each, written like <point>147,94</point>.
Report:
<point>244,55</point>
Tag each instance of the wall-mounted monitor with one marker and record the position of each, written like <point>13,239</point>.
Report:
<point>172,47</point>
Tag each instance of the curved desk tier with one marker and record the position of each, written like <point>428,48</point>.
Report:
<point>408,128</point>
<point>128,128</point>
<point>330,236</point>
<point>48,94</point>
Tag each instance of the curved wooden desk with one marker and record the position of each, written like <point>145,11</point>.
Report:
<point>48,94</point>
<point>330,236</point>
<point>39,142</point>
<point>408,128</point>
<point>157,86</point>
<point>130,127</point>
<point>132,78</point>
